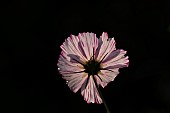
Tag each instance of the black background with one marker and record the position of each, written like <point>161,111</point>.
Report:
<point>31,33</point>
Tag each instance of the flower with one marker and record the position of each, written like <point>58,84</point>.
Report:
<point>87,62</point>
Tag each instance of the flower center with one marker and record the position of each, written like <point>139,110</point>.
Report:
<point>92,67</point>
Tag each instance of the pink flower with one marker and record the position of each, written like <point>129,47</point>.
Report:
<point>87,62</point>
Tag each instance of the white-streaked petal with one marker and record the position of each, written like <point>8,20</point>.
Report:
<point>108,76</point>
<point>105,46</point>
<point>114,56</point>
<point>117,63</point>
<point>74,43</point>
<point>90,92</point>
<point>66,66</point>
<point>75,81</point>
<point>88,41</point>
<point>70,46</point>
<point>99,81</point>
<point>84,45</point>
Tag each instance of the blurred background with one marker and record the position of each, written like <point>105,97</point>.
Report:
<point>31,33</point>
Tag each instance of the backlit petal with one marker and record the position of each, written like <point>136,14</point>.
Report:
<point>90,93</point>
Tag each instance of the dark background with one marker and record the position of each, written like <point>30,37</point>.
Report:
<point>31,33</point>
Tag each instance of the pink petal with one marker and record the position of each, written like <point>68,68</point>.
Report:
<point>66,66</point>
<point>118,62</point>
<point>90,93</point>
<point>106,46</point>
<point>70,46</point>
<point>75,42</point>
<point>99,81</point>
<point>88,41</point>
<point>114,56</point>
<point>108,76</point>
<point>64,69</point>
<point>75,81</point>
<point>65,61</point>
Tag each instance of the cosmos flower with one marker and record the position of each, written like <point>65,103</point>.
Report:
<point>87,62</point>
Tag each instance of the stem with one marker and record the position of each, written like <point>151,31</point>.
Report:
<point>104,102</point>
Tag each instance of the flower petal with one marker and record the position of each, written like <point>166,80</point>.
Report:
<point>108,75</point>
<point>118,61</point>
<point>70,46</point>
<point>75,81</point>
<point>88,41</point>
<point>100,81</point>
<point>75,42</point>
<point>65,66</point>
<point>114,56</point>
<point>105,46</point>
<point>90,92</point>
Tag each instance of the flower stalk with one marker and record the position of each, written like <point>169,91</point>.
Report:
<point>104,102</point>
<point>97,86</point>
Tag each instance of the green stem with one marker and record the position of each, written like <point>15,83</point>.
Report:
<point>104,102</point>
